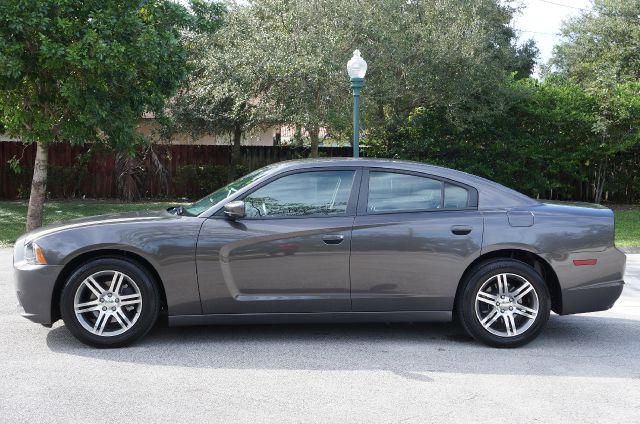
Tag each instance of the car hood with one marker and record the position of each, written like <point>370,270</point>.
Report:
<point>107,219</point>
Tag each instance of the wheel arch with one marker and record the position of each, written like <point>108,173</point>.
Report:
<point>530,258</point>
<point>85,257</point>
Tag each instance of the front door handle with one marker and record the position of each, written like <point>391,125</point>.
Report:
<point>332,238</point>
<point>461,230</point>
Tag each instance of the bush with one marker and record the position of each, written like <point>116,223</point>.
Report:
<point>195,181</point>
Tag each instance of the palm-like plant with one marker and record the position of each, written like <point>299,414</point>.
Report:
<point>131,170</point>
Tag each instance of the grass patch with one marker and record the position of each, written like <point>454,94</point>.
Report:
<point>13,214</point>
<point>628,227</point>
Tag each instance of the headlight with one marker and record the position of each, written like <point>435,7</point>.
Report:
<point>33,254</point>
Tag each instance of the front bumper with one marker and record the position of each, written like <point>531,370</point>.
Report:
<point>34,286</point>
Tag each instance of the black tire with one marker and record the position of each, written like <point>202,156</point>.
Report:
<point>486,274</point>
<point>147,290</point>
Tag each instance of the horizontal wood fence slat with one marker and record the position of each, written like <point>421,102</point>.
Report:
<point>76,171</point>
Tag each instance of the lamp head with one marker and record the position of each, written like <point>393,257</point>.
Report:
<point>356,67</point>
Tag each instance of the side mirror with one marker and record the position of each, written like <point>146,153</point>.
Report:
<point>235,209</point>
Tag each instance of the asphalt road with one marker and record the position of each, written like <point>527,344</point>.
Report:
<point>582,369</point>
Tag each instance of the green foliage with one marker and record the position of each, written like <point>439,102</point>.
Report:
<point>544,144</point>
<point>66,181</point>
<point>447,83</point>
<point>601,52</point>
<point>14,165</point>
<point>302,48</point>
<point>195,181</point>
<point>575,135</point>
<point>219,96</point>
<point>284,61</point>
<point>87,71</point>
<point>602,45</point>
<point>445,56</point>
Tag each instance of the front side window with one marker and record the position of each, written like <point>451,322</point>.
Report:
<point>323,193</point>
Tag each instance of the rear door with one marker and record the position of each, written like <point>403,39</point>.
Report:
<point>291,252</point>
<point>412,239</point>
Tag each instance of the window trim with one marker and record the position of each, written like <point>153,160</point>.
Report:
<point>351,203</point>
<point>363,198</point>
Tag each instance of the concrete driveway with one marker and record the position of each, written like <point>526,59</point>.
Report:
<point>583,369</point>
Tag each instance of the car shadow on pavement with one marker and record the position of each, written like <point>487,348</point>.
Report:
<point>569,346</point>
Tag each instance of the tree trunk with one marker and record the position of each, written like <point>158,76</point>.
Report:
<point>297,136</point>
<point>313,135</point>
<point>382,121</point>
<point>600,180</point>
<point>38,188</point>
<point>236,153</point>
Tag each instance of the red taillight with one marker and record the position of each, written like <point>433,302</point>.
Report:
<point>580,262</point>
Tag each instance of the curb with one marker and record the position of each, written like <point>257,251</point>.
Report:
<point>630,250</point>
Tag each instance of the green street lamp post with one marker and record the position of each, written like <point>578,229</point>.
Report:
<point>356,68</point>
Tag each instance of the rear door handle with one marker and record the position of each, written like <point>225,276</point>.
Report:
<point>332,238</point>
<point>461,230</point>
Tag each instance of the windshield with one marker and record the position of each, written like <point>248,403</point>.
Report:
<point>206,202</point>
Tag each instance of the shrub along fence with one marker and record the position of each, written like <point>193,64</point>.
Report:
<point>192,171</point>
<point>93,171</point>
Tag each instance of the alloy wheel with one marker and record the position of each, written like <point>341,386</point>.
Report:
<point>507,305</point>
<point>107,303</point>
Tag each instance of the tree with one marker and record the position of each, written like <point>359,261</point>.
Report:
<point>550,138</point>
<point>617,127</point>
<point>302,48</point>
<point>444,54</point>
<point>223,94</point>
<point>602,44</point>
<point>601,52</point>
<point>87,71</point>
<point>451,56</point>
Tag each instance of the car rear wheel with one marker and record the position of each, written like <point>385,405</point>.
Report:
<point>109,302</point>
<point>504,303</point>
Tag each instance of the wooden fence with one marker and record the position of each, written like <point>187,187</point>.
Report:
<point>76,171</point>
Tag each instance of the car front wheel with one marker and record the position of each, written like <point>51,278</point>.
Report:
<point>109,302</point>
<point>504,303</point>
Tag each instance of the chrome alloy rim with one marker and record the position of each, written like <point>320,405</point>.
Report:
<point>107,303</point>
<point>507,305</point>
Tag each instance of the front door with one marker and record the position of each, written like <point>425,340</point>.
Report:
<point>290,253</point>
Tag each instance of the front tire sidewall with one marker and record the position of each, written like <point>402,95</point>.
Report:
<point>148,314</point>
<point>466,307</point>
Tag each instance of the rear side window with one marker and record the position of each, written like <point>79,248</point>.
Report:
<point>391,192</point>
<point>395,192</point>
<point>455,197</point>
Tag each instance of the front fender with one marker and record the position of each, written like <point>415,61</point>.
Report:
<point>167,246</point>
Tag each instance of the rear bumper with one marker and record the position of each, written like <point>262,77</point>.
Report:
<point>34,286</point>
<point>591,298</point>
<point>590,281</point>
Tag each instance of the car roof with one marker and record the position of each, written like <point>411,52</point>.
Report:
<point>490,194</point>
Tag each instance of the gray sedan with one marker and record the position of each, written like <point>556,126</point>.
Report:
<point>327,241</point>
